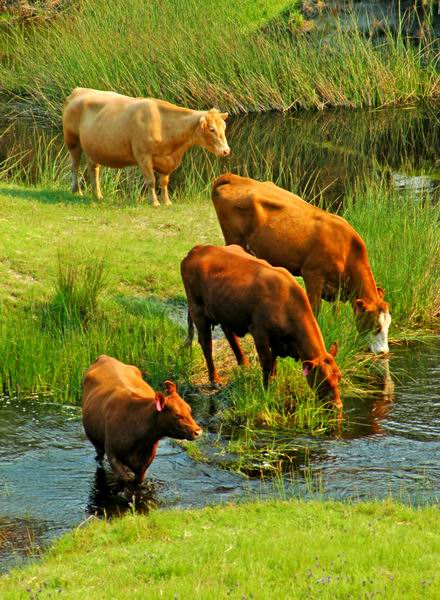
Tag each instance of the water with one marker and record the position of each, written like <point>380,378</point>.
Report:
<point>389,445</point>
<point>312,154</point>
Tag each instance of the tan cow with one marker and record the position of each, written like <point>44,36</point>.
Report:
<point>118,131</point>
<point>323,248</point>
<point>244,294</point>
<point>125,418</point>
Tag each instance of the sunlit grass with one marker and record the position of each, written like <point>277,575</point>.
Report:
<point>260,550</point>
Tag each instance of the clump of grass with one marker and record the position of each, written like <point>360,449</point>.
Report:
<point>79,284</point>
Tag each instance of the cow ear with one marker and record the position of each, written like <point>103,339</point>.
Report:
<point>224,116</point>
<point>334,349</point>
<point>360,306</point>
<point>381,293</point>
<point>170,387</point>
<point>203,122</point>
<point>160,401</point>
<point>307,367</point>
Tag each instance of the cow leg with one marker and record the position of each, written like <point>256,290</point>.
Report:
<point>267,358</point>
<point>234,342</point>
<point>146,165</point>
<point>205,339</point>
<point>93,170</point>
<point>164,179</point>
<point>75,151</point>
<point>120,469</point>
<point>99,454</point>
<point>314,286</point>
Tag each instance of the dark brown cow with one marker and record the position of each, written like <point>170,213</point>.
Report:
<point>118,131</point>
<point>321,247</point>
<point>125,418</point>
<point>228,286</point>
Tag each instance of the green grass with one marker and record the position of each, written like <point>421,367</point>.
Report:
<point>280,550</point>
<point>203,54</point>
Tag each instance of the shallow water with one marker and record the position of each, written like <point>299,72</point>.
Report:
<point>388,445</point>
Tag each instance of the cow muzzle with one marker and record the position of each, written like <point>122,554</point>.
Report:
<point>196,433</point>
<point>379,343</point>
<point>223,151</point>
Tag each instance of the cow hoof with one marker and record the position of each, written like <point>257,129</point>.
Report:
<point>169,203</point>
<point>215,385</point>
<point>155,204</point>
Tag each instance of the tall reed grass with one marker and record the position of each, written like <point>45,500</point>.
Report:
<point>39,356</point>
<point>205,54</point>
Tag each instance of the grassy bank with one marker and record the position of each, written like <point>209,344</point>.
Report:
<point>279,549</point>
<point>202,54</point>
<point>53,326</point>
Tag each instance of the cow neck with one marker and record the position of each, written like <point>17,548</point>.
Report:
<point>188,122</point>
<point>309,343</point>
<point>363,286</point>
<point>153,431</point>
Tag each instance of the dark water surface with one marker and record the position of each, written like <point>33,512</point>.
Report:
<point>309,153</point>
<point>388,445</point>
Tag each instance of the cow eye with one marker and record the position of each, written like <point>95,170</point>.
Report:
<point>212,129</point>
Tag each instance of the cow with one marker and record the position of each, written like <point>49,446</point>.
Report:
<point>118,131</point>
<point>323,248</point>
<point>244,294</point>
<point>124,418</point>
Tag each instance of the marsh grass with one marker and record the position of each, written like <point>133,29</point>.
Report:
<point>402,233</point>
<point>202,54</point>
<point>40,356</point>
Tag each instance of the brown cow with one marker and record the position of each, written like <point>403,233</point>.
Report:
<point>125,418</point>
<point>228,286</point>
<point>119,131</point>
<point>323,248</point>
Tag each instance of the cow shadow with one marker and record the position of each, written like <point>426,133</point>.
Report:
<point>46,196</point>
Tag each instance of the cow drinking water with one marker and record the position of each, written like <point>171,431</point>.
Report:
<point>228,286</point>
<point>118,131</point>
<point>125,418</point>
<point>323,248</point>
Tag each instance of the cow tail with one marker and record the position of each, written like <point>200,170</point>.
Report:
<point>190,336</point>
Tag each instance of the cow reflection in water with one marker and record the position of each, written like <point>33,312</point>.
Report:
<point>110,498</point>
<point>361,423</point>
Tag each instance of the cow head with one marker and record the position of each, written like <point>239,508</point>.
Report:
<point>175,415</point>
<point>373,318</point>
<point>211,132</point>
<point>323,375</point>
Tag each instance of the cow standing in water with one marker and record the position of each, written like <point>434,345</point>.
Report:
<point>125,418</point>
<point>244,294</point>
<point>323,248</point>
<point>118,131</point>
